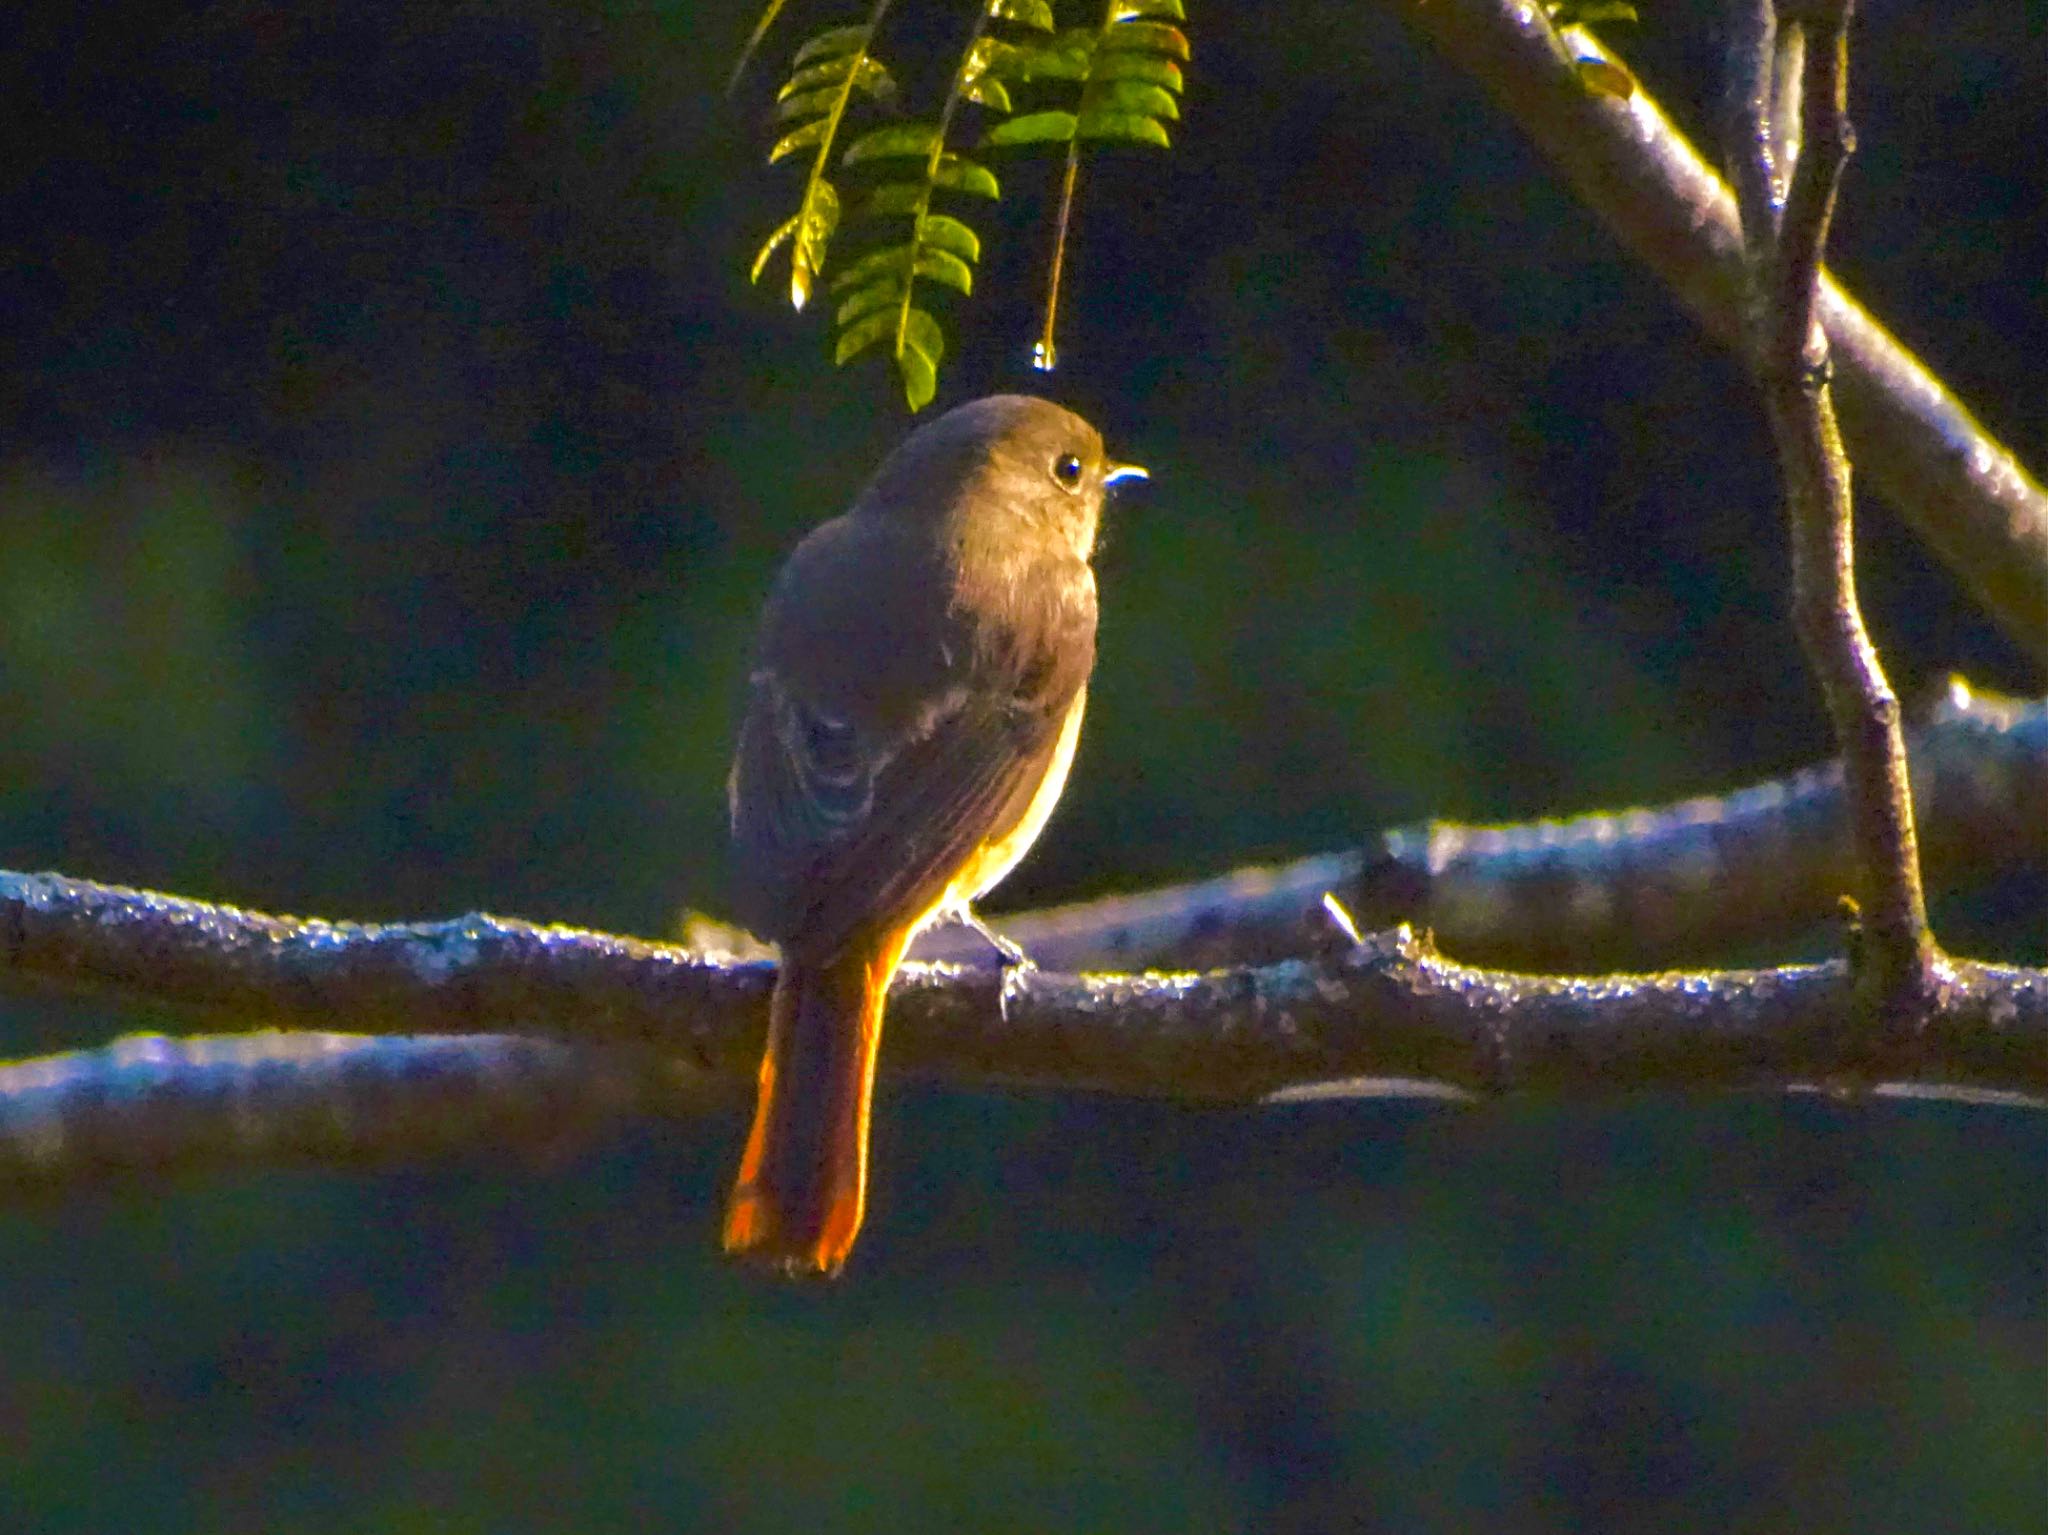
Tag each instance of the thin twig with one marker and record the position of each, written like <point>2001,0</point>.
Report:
<point>1790,357</point>
<point>1045,354</point>
<point>1750,134</point>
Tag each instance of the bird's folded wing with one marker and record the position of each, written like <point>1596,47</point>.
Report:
<point>837,835</point>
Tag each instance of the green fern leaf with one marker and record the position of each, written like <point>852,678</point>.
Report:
<point>1129,127</point>
<point>945,267</point>
<point>893,199</point>
<point>1032,128</point>
<point>993,56</point>
<point>862,334</point>
<point>897,141</point>
<point>875,79</point>
<point>870,75</point>
<point>879,295</point>
<point>772,244</point>
<point>1025,13</point>
<point>1151,36</point>
<point>831,43</point>
<point>1147,67</point>
<point>1128,96</point>
<point>1065,57</point>
<point>811,76</point>
<point>918,358</point>
<point>988,92</point>
<point>957,173</point>
<point>1068,58</point>
<point>892,261</point>
<point>877,300</point>
<point>809,134</point>
<point>921,332</point>
<point>809,232</point>
<point>806,104</point>
<point>1571,13</point>
<point>920,378</point>
<point>816,223</point>
<point>949,234</point>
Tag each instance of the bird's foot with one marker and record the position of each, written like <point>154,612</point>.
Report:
<point>1015,962</point>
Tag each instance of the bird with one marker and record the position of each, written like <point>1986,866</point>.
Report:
<point>914,697</point>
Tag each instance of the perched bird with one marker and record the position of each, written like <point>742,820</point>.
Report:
<point>915,695</point>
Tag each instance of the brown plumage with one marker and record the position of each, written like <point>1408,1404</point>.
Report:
<point>916,692</point>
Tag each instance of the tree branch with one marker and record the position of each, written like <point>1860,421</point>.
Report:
<point>1388,1008</point>
<point>1961,489</point>
<point>1789,354</point>
<point>1674,884</point>
<point>156,1104</point>
<point>1759,162</point>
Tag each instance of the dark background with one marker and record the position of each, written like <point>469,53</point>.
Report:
<point>392,458</point>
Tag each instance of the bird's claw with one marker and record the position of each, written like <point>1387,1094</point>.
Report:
<point>1015,962</point>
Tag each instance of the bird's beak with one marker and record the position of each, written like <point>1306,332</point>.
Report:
<point>1117,473</point>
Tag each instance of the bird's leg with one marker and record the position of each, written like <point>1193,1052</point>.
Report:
<point>1013,957</point>
<point>1015,962</point>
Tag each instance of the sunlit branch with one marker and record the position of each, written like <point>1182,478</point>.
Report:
<point>1671,884</point>
<point>1390,1007</point>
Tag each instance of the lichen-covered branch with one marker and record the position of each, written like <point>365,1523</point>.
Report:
<point>1387,1008</point>
<point>147,1103</point>
<point>1672,884</point>
<point>1960,488</point>
<point>476,974</point>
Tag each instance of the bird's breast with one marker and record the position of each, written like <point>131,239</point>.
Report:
<point>1003,850</point>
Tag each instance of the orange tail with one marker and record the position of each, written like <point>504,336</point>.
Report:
<point>797,1202</point>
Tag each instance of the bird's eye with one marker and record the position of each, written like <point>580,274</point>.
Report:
<point>1066,471</point>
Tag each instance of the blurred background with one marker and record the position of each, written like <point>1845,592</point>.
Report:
<point>392,459</point>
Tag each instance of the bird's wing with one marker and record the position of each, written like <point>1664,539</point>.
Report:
<point>840,830</point>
